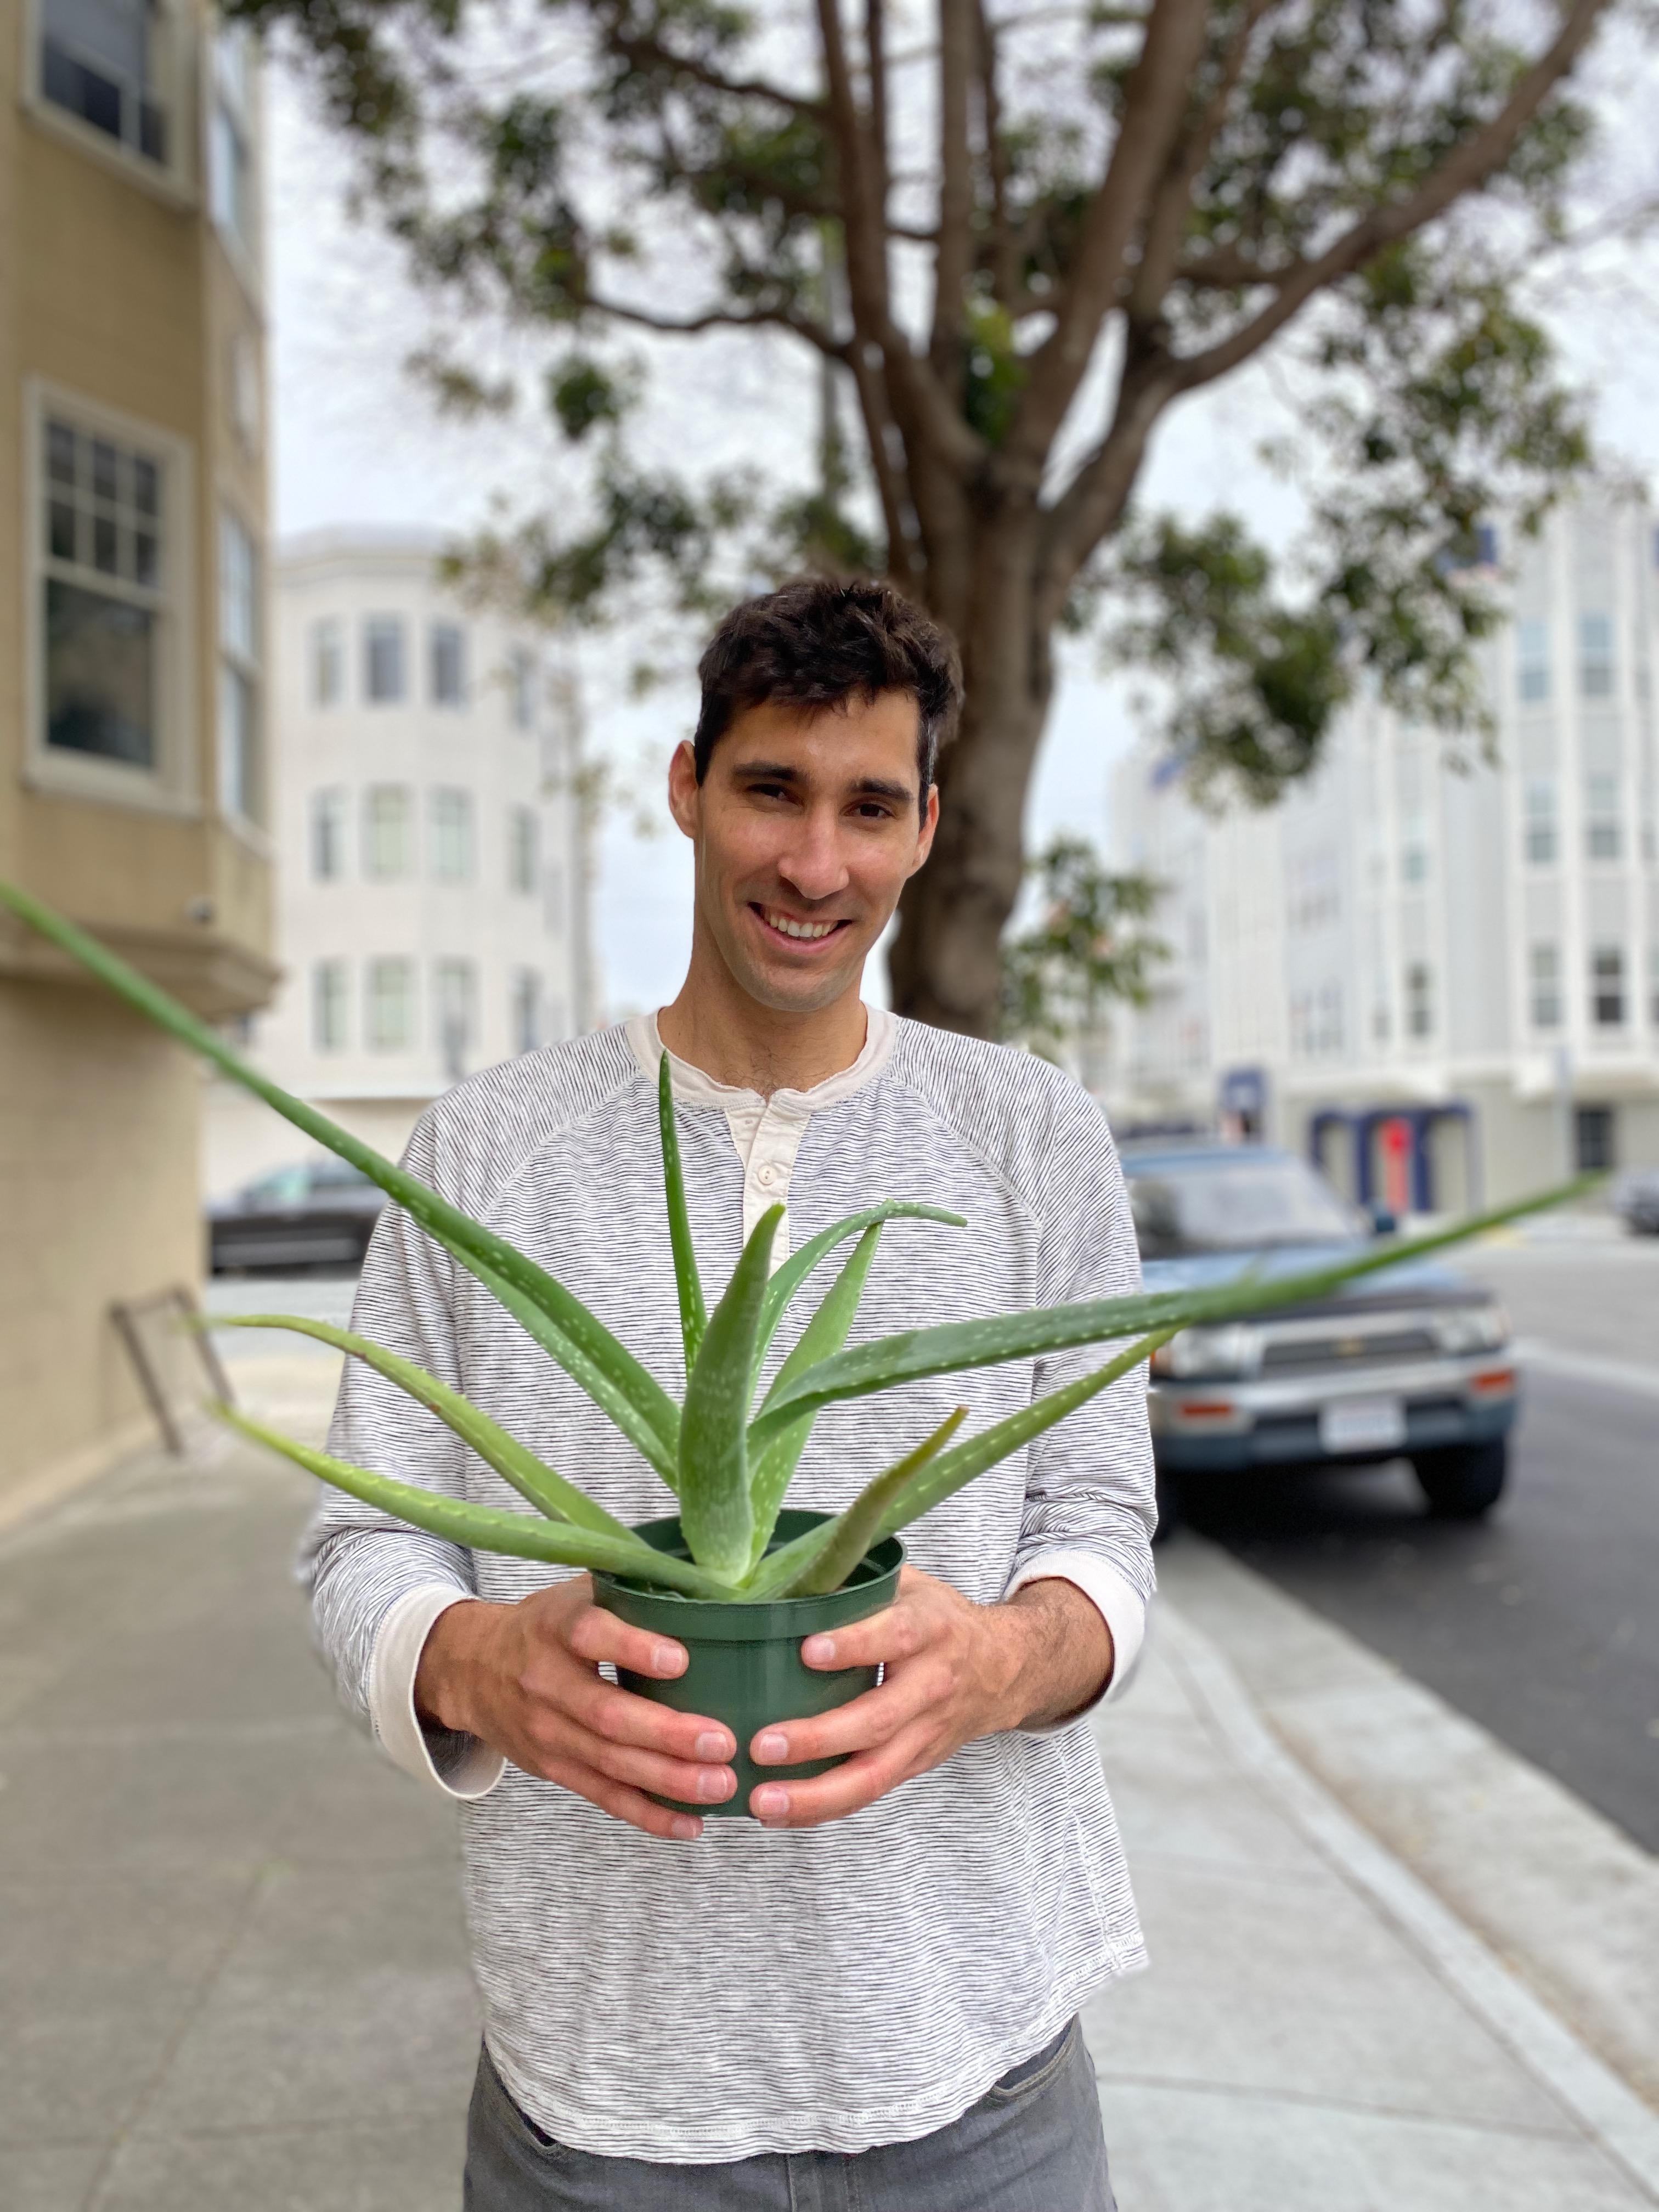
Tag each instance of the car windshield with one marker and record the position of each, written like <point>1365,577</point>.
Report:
<point>1228,1206</point>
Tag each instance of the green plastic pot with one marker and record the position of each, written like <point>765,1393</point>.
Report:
<point>744,1664</point>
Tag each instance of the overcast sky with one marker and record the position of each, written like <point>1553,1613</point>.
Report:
<point>354,442</point>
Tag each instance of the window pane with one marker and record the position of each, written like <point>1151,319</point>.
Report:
<point>1596,656</point>
<point>521,847</point>
<point>386,831</point>
<point>383,673</point>
<point>448,664</point>
<point>523,679</point>
<point>527,1009</point>
<point>1419,1009</point>
<point>328,1004</point>
<point>455,985</point>
<point>61,445</point>
<point>328,823</point>
<point>238,609</point>
<point>101,675</point>
<point>98,60</point>
<point>1546,965</point>
<point>452,836</point>
<point>1608,986</point>
<point>390,1004</point>
<point>327,664</point>
<point>60,530</point>
<point>239,779</point>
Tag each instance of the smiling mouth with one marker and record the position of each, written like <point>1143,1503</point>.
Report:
<point>793,927</point>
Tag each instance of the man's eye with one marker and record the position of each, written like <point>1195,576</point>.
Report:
<point>872,810</point>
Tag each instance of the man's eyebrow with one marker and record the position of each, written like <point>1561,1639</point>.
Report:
<point>868,786</point>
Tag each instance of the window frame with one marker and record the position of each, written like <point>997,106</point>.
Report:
<point>171,784</point>
<point>441,627</point>
<point>1535,819</point>
<point>177,179</point>
<point>316,630</point>
<point>1415,1033</point>
<point>1602,995</point>
<point>333,970</point>
<point>328,800</point>
<point>400,624</point>
<point>524,843</point>
<point>464,822</point>
<point>399,875</point>
<point>1603,821</point>
<point>246,664</point>
<point>242,112</point>
<point>1544,982</point>
<point>372,967</point>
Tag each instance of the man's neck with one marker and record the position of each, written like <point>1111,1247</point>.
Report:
<point>730,1036</point>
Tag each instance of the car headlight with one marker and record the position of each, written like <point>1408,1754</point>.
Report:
<point>1233,1349</point>
<point>1463,1329</point>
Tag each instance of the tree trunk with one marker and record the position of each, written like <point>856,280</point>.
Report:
<point>945,964</point>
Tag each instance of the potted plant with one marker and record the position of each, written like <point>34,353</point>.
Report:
<point>731,1574</point>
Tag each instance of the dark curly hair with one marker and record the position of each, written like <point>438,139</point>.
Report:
<point>820,642</point>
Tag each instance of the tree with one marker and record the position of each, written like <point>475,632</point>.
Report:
<point>1017,242</point>
<point>1080,953</point>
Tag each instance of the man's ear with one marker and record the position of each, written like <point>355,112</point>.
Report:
<point>925,836</point>
<point>684,795</point>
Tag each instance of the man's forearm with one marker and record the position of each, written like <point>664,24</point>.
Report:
<point>1063,1652</point>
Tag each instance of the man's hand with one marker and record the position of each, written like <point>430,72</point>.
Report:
<point>526,1678</point>
<point>955,1671</point>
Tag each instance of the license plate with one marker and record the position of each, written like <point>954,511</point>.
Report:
<point>1363,1424</point>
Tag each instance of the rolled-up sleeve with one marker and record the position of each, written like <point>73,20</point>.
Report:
<point>1091,1492</point>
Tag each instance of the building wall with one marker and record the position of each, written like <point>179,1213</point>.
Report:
<point>505,753</point>
<point>122,310</point>
<point>1375,939</point>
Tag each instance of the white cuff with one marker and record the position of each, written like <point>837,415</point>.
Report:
<point>1119,1604</point>
<point>470,1769</point>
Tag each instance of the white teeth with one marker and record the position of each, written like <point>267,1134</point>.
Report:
<point>788,927</point>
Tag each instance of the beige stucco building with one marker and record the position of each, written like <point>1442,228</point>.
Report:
<point>132,775</point>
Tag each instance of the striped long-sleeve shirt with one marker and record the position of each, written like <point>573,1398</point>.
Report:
<point>829,1988</point>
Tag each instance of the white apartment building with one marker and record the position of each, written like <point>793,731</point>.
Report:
<point>1442,983</point>
<point>428,826</point>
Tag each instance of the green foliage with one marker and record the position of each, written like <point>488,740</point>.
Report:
<point>1424,397</point>
<point>1057,976</point>
<point>726,1457</point>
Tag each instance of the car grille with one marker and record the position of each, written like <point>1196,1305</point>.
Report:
<point>1344,1350</point>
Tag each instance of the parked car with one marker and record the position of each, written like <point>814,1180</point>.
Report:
<point>1411,1362</point>
<point>314,1213</point>
<point>1636,1201</point>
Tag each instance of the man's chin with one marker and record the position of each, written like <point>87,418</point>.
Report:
<point>786,991</point>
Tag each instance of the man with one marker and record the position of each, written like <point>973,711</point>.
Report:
<point>866,1995</point>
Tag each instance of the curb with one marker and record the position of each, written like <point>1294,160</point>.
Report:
<point>1611,2113</point>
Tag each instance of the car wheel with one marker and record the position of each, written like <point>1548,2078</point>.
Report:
<point>1465,1482</point>
<point>1169,1508</point>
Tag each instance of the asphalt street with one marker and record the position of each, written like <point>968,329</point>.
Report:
<point>1542,1622</point>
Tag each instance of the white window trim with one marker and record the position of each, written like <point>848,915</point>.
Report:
<point>246,257</point>
<point>175,180</point>
<point>174,785</point>
<point>257,833</point>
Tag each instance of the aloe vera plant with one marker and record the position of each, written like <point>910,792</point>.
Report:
<point>727,1461</point>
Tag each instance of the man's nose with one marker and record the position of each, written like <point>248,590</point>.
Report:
<point>813,864</point>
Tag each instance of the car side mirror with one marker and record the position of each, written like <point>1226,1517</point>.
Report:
<point>1384,1220</point>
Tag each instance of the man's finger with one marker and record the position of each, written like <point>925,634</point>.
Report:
<point>606,1710</point>
<point>701,1784</point>
<point>594,1635</point>
<point>847,1789</point>
<point>630,1805</point>
<point>860,1725</point>
<point>898,1633</point>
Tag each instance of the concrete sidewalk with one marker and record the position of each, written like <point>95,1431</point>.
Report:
<point>232,1969</point>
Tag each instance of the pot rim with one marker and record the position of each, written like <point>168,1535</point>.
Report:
<point>731,1620</point>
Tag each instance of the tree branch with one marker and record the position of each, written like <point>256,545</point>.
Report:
<point>954,255</point>
<point>1154,103</point>
<point>645,54</point>
<point>1470,164</point>
<point>1097,494</point>
<point>678,326</point>
<point>1172,201</point>
<point>904,563</point>
<point>1004,267</point>
<point>875,47</point>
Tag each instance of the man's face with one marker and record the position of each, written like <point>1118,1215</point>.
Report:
<point>806,828</point>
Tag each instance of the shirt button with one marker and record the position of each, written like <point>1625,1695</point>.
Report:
<point>767,1175</point>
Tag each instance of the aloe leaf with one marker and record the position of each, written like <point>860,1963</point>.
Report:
<point>514,1461</point>
<point>957,1346</point>
<point>857,1529</point>
<point>694,1318</point>
<point>774,1469</point>
<point>716,1516</point>
<point>557,1321</point>
<point>486,1528</point>
<point>793,1271</point>
<point>952,1470</point>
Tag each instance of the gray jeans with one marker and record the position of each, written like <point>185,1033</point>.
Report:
<point>1033,2144</point>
